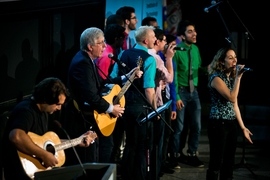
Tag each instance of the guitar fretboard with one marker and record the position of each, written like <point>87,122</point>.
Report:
<point>128,83</point>
<point>69,143</point>
<point>125,88</point>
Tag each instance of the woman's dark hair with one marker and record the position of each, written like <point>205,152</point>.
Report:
<point>48,91</point>
<point>113,31</point>
<point>217,62</point>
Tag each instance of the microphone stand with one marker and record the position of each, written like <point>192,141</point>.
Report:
<point>127,68</point>
<point>146,107</point>
<point>248,33</point>
<point>155,148</point>
<point>243,162</point>
<point>80,162</point>
<point>229,39</point>
<point>149,105</point>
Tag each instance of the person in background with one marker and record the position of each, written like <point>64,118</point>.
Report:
<point>224,83</point>
<point>130,20</point>
<point>115,19</point>
<point>31,116</point>
<point>86,87</point>
<point>119,132</point>
<point>188,100</point>
<point>164,75</point>
<point>138,135</point>
<point>150,21</point>
<point>114,37</point>
<point>168,93</point>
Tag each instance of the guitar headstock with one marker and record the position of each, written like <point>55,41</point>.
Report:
<point>139,62</point>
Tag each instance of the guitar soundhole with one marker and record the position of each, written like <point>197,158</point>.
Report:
<point>50,148</point>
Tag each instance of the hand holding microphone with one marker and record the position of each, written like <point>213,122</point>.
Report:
<point>240,69</point>
<point>175,48</point>
<point>170,50</point>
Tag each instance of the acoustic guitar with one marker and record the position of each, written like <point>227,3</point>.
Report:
<point>50,142</point>
<point>106,121</point>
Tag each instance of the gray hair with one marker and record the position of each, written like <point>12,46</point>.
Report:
<point>142,33</point>
<point>90,36</point>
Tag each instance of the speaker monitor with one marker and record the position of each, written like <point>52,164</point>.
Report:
<point>94,171</point>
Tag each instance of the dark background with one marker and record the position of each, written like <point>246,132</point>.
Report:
<point>235,18</point>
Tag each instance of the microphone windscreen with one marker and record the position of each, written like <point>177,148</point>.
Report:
<point>110,55</point>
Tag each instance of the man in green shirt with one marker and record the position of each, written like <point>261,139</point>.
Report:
<point>188,101</point>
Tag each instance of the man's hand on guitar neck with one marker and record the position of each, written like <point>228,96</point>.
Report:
<point>118,110</point>
<point>89,138</point>
<point>138,73</point>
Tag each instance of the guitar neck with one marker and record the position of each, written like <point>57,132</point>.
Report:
<point>69,143</point>
<point>125,88</point>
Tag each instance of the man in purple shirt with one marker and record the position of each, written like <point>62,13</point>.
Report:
<point>164,75</point>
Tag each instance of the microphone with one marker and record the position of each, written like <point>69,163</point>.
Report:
<point>176,48</point>
<point>117,60</point>
<point>214,5</point>
<point>247,69</point>
<point>80,162</point>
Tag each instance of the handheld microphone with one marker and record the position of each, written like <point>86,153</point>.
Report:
<point>176,48</point>
<point>212,6</point>
<point>247,69</point>
<point>80,162</point>
<point>117,60</point>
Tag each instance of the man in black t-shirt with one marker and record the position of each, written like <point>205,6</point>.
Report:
<point>29,120</point>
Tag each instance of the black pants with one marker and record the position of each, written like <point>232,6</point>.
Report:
<point>222,136</point>
<point>167,130</point>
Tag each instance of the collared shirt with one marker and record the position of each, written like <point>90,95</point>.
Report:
<point>125,44</point>
<point>181,59</point>
<point>149,70</point>
<point>162,76</point>
<point>171,85</point>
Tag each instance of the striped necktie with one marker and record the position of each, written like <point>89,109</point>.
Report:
<point>190,77</point>
<point>167,89</point>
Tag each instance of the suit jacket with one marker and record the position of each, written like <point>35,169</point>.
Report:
<point>85,84</point>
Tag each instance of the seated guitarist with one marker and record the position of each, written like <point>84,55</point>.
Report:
<point>85,85</point>
<point>31,115</point>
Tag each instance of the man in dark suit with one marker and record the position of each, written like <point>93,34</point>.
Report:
<point>86,85</point>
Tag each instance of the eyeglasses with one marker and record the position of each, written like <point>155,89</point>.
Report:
<point>100,43</point>
<point>133,17</point>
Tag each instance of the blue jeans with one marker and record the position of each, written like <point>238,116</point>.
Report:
<point>192,107</point>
